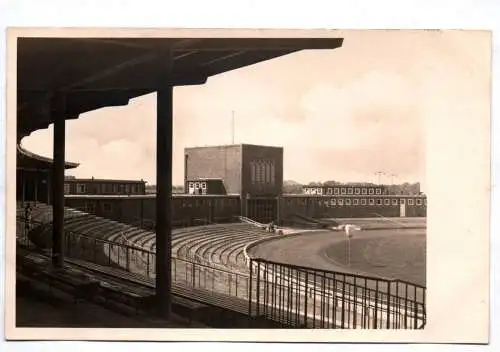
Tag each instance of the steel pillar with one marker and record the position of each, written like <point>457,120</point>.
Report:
<point>58,181</point>
<point>164,111</point>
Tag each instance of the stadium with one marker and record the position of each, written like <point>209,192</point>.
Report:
<point>233,250</point>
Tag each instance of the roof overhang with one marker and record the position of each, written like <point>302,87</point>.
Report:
<point>98,72</point>
<point>32,161</point>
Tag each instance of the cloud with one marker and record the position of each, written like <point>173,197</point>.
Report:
<point>342,114</point>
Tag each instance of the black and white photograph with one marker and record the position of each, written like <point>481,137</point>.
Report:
<point>192,180</point>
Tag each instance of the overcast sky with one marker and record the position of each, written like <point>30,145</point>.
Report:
<point>340,115</point>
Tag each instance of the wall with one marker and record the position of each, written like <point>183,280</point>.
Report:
<point>110,187</point>
<point>36,185</point>
<point>252,152</point>
<point>321,207</point>
<point>186,210</point>
<point>215,162</point>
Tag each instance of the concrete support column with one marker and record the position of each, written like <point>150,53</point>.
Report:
<point>164,111</point>
<point>58,182</point>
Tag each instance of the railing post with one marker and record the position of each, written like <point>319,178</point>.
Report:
<point>388,323</point>
<point>193,274</point>
<point>236,293</point>
<point>109,253</point>
<point>127,258</point>
<point>375,312</point>
<point>306,288</point>
<point>258,288</point>
<point>175,270</point>
<point>249,287</point>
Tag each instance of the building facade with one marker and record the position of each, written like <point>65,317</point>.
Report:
<point>94,186</point>
<point>224,182</point>
<point>253,172</point>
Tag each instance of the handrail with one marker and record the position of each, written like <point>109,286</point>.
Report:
<point>201,263</point>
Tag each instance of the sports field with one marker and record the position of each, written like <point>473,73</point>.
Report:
<point>392,254</point>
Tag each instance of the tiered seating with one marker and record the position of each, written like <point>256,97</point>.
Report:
<point>218,244</point>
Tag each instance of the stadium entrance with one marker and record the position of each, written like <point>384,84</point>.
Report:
<point>262,210</point>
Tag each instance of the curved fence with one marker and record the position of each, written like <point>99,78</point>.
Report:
<point>314,298</point>
<point>291,295</point>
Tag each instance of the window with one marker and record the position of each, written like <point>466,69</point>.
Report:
<point>349,190</point>
<point>191,184</point>
<point>364,191</point>
<point>379,201</point>
<point>402,201</point>
<point>80,188</point>
<point>340,202</point>
<point>410,201</point>
<point>419,201</point>
<point>107,207</point>
<point>342,190</point>
<point>372,201</point>
<point>262,171</point>
<point>336,190</point>
<point>203,185</point>
<point>425,201</point>
<point>347,201</point>
<point>333,202</point>
<point>115,188</point>
<point>319,190</point>
<point>327,203</point>
<point>357,190</point>
<point>329,191</point>
<point>378,191</point>
<point>355,202</point>
<point>394,202</point>
<point>66,188</point>
<point>363,201</point>
<point>371,191</point>
<point>387,201</point>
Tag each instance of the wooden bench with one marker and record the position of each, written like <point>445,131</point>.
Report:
<point>141,300</point>
<point>80,287</point>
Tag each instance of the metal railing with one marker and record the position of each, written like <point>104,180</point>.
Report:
<point>291,295</point>
<point>312,298</point>
<point>187,273</point>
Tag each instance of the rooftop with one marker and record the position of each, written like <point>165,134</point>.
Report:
<point>99,70</point>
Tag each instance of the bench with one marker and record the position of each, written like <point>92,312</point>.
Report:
<point>141,299</point>
<point>125,296</point>
<point>80,287</point>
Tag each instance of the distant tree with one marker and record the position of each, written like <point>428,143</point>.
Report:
<point>292,188</point>
<point>331,183</point>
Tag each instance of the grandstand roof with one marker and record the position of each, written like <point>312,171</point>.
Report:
<point>96,72</point>
<point>29,160</point>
